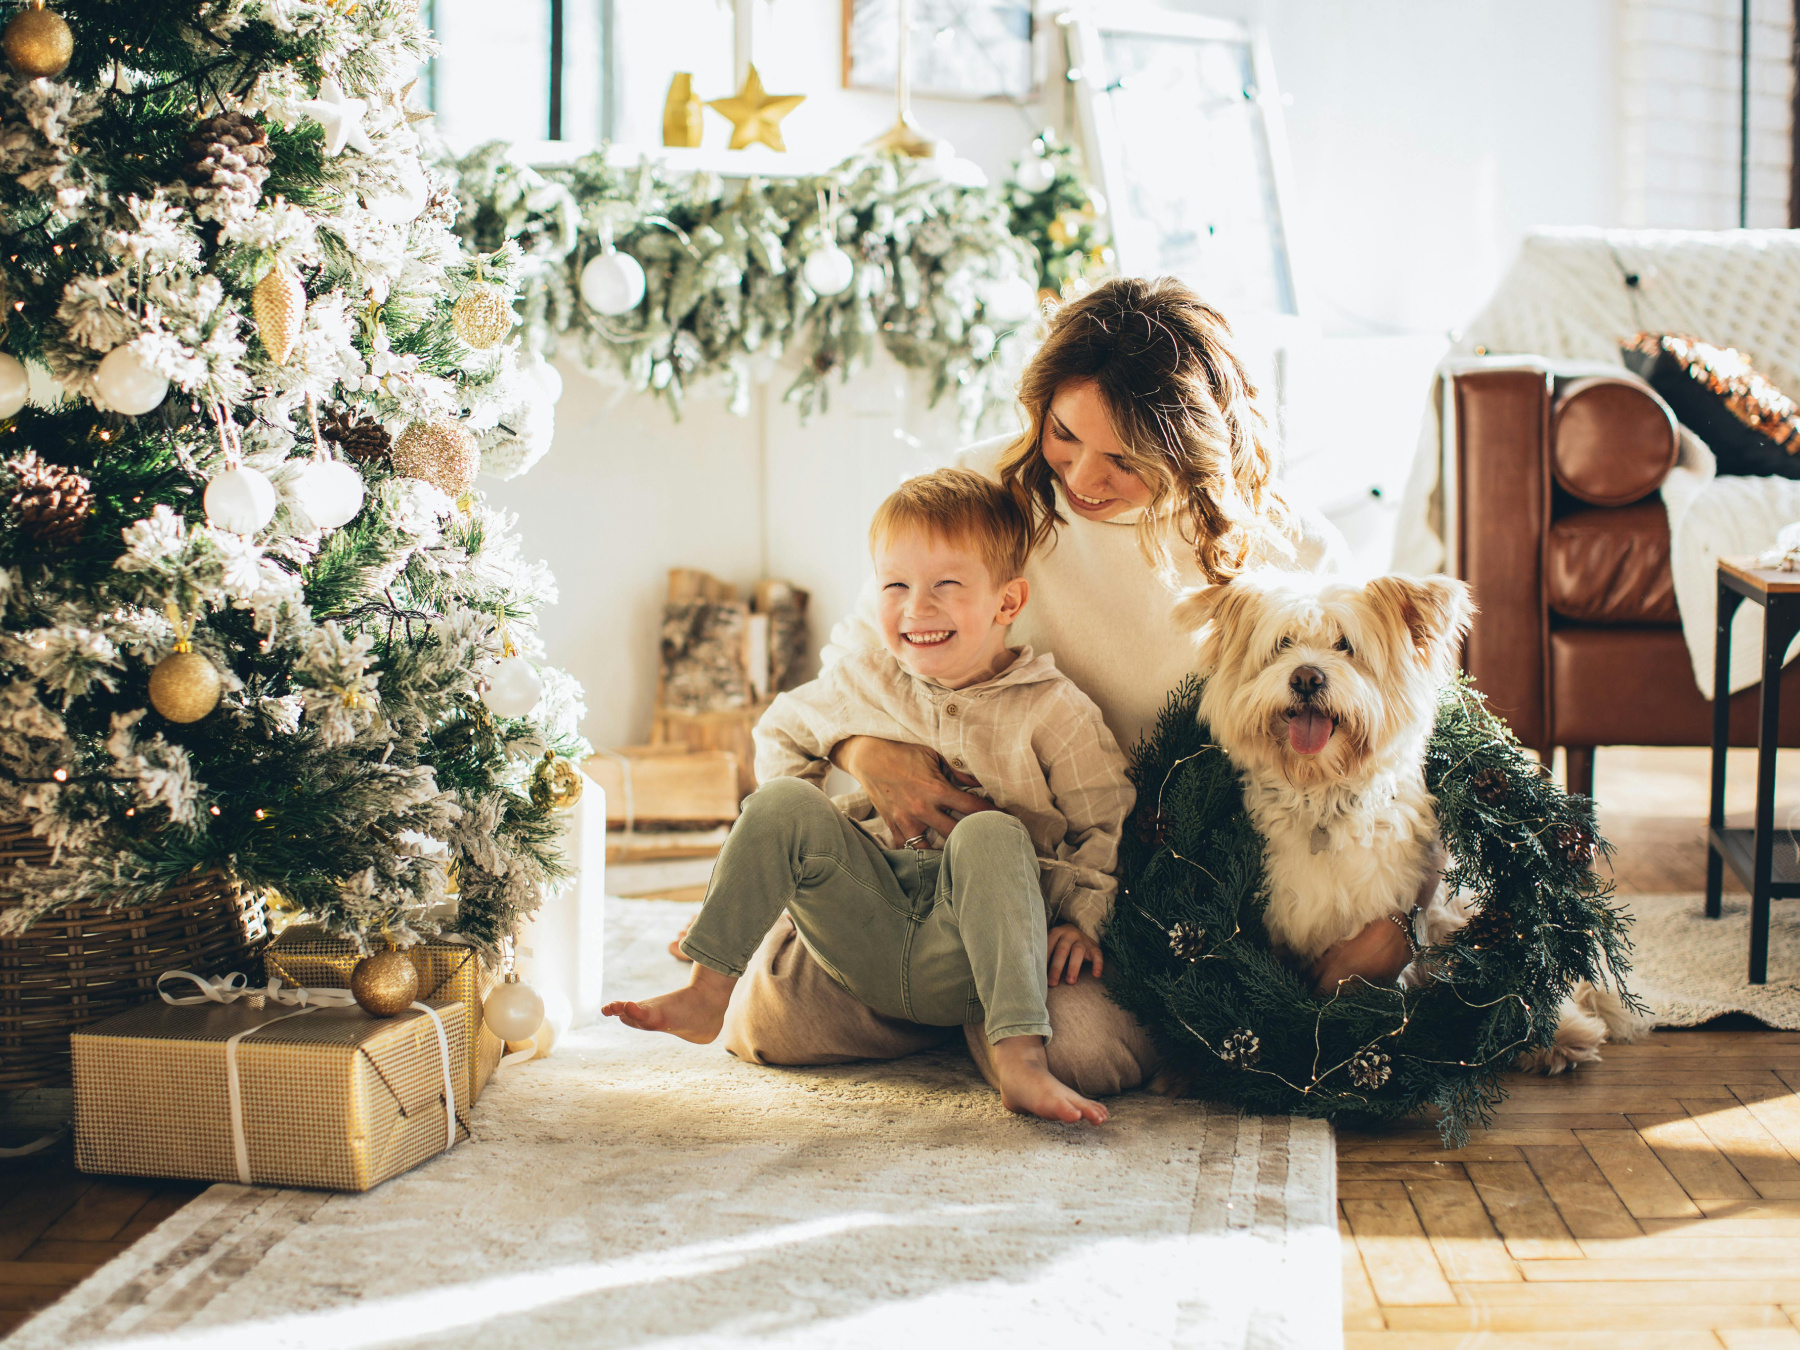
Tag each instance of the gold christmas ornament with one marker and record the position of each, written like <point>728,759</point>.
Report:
<point>37,42</point>
<point>555,783</point>
<point>755,115</point>
<point>279,303</point>
<point>444,454</point>
<point>483,316</point>
<point>385,983</point>
<point>681,112</point>
<point>184,685</point>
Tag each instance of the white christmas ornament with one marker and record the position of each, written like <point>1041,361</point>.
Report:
<point>829,271</point>
<point>404,202</point>
<point>514,688</point>
<point>1035,173</point>
<point>329,491</point>
<point>612,283</point>
<point>341,117</point>
<point>547,377</point>
<point>1009,300</point>
<point>125,384</point>
<point>240,500</point>
<point>14,384</point>
<point>513,1012</point>
<point>981,341</point>
<point>558,1014</point>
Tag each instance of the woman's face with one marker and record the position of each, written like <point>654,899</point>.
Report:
<point>1079,445</point>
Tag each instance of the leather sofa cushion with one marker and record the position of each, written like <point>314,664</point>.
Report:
<point>1610,565</point>
<point>1612,440</point>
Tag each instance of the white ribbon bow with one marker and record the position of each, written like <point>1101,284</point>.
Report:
<point>230,988</point>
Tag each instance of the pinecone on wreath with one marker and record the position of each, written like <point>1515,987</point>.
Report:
<point>1187,940</point>
<point>1241,1049</point>
<point>228,157</point>
<point>1370,1070</point>
<point>53,502</point>
<point>1490,786</point>
<point>1155,828</point>
<point>1577,844</point>
<point>357,434</point>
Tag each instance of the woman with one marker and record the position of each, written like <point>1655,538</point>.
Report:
<point>1146,470</point>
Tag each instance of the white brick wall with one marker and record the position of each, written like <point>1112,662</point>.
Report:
<point>1679,110</point>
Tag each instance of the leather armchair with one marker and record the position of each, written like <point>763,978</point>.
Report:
<point>1553,517</point>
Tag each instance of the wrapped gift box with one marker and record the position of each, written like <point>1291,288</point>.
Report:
<point>306,955</point>
<point>326,1097</point>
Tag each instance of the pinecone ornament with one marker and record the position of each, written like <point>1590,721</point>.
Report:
<point>1370,1070</point>
<point>53,502</point>
<point>1577,844</point>
<point>228,157</point>
<point>1187,940</point>
<point>1155,827</point>
<point>1490,786</point>
<point>1241,1049</point>
<point>357,434</point>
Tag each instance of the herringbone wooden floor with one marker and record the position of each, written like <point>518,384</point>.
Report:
<point>1651,1201</point>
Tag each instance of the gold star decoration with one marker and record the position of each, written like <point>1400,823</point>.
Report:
<point>398,98</point>
<point>755,115</point>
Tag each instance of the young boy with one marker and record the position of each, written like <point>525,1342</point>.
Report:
<point>939,931</point>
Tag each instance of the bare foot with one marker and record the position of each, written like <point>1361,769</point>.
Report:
<point>695,1013</point>
<point>1028,1087</point>
<point>675,946</point>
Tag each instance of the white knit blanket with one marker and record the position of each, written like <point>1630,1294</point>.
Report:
<point>1566,301</point>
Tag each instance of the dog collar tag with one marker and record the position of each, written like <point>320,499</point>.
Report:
<point>1321,839</point>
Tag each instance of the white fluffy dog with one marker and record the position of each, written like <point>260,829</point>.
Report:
<point>1323,692</point>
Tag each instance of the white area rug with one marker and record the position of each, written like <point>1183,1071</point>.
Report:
<point>634,1190</point>
<point>1690,968</point>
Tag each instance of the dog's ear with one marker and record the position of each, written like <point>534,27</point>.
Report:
<point>1208,613</point>
<point>1195,608</point>
<point>1435,612</point>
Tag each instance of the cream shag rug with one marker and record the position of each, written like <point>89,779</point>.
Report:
<point>634,1190</point>
<point>1689,968</point>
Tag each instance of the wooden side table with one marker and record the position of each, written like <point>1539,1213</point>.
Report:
<point>1751,852</point>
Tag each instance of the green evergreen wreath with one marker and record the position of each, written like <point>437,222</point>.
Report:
<point>1188,954</point>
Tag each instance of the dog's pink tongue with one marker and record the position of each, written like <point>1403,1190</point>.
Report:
<point>1308,730</point>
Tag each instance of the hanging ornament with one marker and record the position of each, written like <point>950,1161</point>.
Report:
<point>443,454</point>
<point>513,1011</point>
<point>357,434</point>
<point>184,685</point>
<point>547,378</point>
<point>341,118</point>
<point>126,385</point>
<point>52,502</point>
<point>38,44</point>
<point>681,112</point>
<point>402,203</point>
<point>612,282</point>
<point>904,137</point>
<point>15,384</point>
<point>483,316</point>
<point>228,159</point>
<point>1035,172</point>
<point>514,686</point>
<point>828,270</point>
<point>1241,1049</point>
<point>1370,1070</point>
<point>330,491</point>
<point>385,984</point>
<point>240,499</point>
<point>1008,300</point>
<point>279,303</point>
<point>756,115</point>
<point>555,783</point>
<point>982,341</point>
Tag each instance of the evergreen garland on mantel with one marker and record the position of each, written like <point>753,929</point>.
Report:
<point>1188,955</point>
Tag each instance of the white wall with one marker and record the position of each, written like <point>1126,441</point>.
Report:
<point>1427,136</point>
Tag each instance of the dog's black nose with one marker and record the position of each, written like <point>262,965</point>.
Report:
<point>1306,681</point>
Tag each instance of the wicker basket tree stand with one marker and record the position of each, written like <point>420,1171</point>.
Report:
<point>80,964</point>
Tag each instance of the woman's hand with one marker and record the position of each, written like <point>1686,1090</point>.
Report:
<point>907,785</point>
<point>1377,954</point>
<point>1069,948</point>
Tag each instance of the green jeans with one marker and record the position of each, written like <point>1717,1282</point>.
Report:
<point>941,938</point>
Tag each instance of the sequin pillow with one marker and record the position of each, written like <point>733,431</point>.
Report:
<point>1752,427</point>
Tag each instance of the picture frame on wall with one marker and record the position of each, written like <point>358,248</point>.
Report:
<point>1183,129</point>
<point>964,49</point>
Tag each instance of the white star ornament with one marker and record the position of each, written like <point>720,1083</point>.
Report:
<point>341,117</point>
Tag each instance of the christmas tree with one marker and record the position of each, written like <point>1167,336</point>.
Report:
<point>256,619</point>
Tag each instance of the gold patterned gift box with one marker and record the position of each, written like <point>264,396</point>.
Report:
<point>306,955</point>
<point>324,1096</point>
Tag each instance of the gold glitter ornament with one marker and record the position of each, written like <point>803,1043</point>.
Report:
<point>385,983</point>
<point>279,303</point>
<point>37,42</point>
<point>184,685</point>
<point>555,783</point>
<point>483,316</point>
<point>443,454</point>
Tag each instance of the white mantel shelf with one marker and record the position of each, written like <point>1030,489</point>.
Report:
<point>758,161</point>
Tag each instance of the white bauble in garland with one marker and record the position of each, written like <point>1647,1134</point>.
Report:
<point>14,384</point>
<point>1035,173</point>
<point>513,1011</point>
<point>828,271</point>
<point>982,341</point>
<point>401,204</point>
<point>329,491</point>
<point>241,500</point>
<point>612,283</point>
<point>125,384</point>
<point>514,688</point>
<point>1009,300</point>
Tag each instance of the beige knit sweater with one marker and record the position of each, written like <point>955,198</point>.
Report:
<point>1099,607</point>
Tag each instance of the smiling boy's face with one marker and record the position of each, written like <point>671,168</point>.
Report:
<point>943,616</point>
